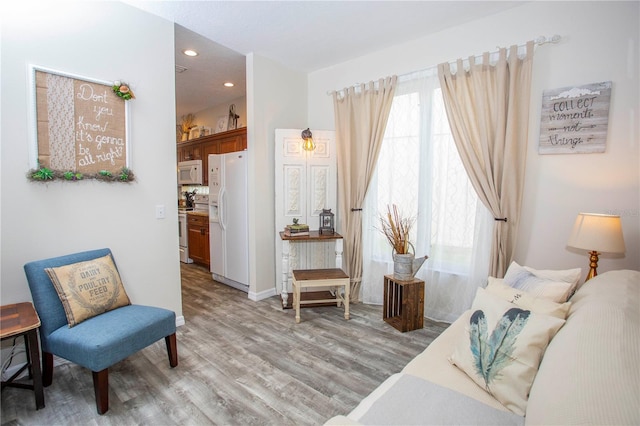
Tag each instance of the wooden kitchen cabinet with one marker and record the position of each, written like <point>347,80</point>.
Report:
<point>218,143</point>
<point>198,234</point>
<point>190,151</point>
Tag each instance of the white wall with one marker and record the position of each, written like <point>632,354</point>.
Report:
<point>600,42</point>
<point>209,117</point>
<point>106,41</point>
<point>276,98</point>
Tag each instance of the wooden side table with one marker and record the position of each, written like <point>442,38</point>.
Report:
<point>403,303</point>
<point>20,319</point>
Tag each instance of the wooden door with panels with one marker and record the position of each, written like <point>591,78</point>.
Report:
<point>305,183</point>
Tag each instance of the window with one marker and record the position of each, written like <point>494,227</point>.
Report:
<point>420,171</point>
<point>453,199</point>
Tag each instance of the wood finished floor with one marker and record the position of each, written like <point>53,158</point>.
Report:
<point>240,363</point>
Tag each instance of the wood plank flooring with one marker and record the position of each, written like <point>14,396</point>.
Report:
<point>240,363</point>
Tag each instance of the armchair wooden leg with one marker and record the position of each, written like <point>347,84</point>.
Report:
<point>172,349</point>
<point>47,369</point>
<point>101,388</point>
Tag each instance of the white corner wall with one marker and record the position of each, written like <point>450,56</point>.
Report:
<point>276,98</point>
<point>600,42</point>
<point>44,220</point>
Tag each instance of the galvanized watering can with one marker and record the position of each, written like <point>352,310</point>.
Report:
<point>405,266</point>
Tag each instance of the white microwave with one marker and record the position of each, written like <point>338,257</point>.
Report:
<point>190,172</point>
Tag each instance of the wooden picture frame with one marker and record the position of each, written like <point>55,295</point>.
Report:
<point>80,125</point>
<point>574,119</point>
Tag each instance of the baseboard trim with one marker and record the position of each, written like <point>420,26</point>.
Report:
<point>180,320</point>
<point>256,297</point>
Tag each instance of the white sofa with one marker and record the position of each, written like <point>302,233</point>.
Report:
<point>589,374</point>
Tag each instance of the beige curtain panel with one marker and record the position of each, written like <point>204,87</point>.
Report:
<point>488,110</point>
<point>361,114</point>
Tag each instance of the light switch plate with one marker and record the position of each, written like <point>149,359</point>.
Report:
<point>160,211</point>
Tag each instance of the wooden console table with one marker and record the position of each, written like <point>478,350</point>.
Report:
<point>314,236</point>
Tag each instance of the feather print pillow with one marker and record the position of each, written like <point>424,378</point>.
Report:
<point>502,348</point>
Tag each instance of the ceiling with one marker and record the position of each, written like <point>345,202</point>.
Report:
<point>200,79</point>
<point>302,35</point>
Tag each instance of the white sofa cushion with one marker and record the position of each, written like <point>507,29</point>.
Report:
<point>590,372</point>
<point>422,402</point>
<point>433,365</point>
<point>502,348</point>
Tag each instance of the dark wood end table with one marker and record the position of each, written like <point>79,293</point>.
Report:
<point>21,319</point>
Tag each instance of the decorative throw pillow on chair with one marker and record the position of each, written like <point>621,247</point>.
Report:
<point>89,288</point>
<point>502,348</point>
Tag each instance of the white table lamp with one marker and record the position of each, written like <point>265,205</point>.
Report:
<point>597,233</point>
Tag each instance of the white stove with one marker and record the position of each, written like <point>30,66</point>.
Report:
<point>183,236</point>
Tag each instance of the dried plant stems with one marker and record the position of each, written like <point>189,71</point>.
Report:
<point>187,122</point>
<point>396,229</point>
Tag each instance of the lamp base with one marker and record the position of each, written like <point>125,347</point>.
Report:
<point>593,265</point>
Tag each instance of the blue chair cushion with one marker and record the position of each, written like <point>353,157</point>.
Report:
<point>108,338</point>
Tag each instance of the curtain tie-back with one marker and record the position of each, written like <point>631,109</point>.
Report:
<point>501,219</point>
<point>355,210</point>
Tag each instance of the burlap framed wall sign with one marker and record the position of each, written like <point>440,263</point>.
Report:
<point>574,120</point>
<point>81,128</point>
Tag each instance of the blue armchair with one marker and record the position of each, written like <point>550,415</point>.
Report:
<point>99,342</point>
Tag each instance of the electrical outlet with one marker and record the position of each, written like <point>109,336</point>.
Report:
<point>160,211</point>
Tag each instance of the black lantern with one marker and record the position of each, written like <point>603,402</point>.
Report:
<point>326,222</point>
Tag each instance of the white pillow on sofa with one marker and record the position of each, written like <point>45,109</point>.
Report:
<point>526,300</point>
<point>502,348</point>
<point>555,285</point>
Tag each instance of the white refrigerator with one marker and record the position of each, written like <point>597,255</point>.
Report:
<point>228,223</point>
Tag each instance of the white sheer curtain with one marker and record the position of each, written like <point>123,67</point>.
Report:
<point>420,171</point>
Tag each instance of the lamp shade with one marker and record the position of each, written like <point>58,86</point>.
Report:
<point>597,232</point>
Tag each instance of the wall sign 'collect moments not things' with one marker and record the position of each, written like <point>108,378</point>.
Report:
<point>575,119</point>
<point>81,128</point>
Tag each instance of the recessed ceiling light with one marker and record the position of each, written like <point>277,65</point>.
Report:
<point>190,52</point>
<point>228,84</point>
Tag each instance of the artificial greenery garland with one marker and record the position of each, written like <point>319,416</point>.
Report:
<point>45,174</point>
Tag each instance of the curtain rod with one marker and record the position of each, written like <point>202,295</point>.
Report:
<point>542,40</point>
